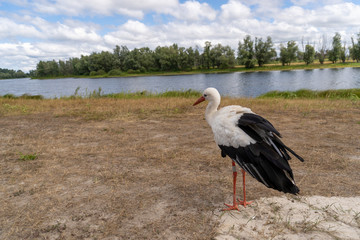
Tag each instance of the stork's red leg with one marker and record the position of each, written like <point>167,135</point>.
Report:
<point>235,205</point>
<point>244,202</point>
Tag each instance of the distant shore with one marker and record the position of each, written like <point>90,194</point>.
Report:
<point>239,68</point>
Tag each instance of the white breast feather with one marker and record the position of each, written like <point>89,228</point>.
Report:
<point>225,129</point>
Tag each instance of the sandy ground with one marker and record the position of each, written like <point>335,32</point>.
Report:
<point>149,169</point>
<point>313,217</point>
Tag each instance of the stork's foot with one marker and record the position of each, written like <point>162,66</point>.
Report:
<point>236,205</point>
<point>244,203</point>
<point>231,207</point>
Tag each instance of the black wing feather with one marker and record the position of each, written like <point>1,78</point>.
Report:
<point>262,169</point>
<point>251,119</point>
<point>267,159</point>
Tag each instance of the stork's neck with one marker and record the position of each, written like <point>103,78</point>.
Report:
<point>211,109</point>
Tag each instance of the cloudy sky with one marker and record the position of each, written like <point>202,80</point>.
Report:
<point>34,30</point>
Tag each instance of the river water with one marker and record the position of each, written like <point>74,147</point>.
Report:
<point>237,84</point>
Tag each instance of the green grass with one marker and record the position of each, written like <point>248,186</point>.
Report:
<point>24,96</point>
<point>135,95</point>
<point>122,95</point>
<point>352,94</point>
<point>27,157</point>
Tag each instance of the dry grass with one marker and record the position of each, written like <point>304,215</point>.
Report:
<point>148,168</point>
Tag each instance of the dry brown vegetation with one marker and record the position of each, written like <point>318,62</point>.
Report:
<point>149,168</point>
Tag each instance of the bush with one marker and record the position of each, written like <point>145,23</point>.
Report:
<point>100,72</point>
<point>93,73</point>
<point>133,71</point>
<point>250,63</point>
<point>97,73</point>
<point>115,72</point>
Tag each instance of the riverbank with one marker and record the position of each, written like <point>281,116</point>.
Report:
<point>149,168</point>
<point>351,94</point>
<point>266,67</point>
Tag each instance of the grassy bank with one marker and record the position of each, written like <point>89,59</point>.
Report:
<point>352,94</point>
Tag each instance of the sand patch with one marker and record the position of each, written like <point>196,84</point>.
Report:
<point>313,217</point>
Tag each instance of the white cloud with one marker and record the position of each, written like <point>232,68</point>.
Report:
<point>329,16</point>
<point>39,28</point>
<point>133,34</point>
<point>234,10</point>
<point>194,11</point>
<point>10,29</point>
<point>338,15</point>
<point>131,8</point>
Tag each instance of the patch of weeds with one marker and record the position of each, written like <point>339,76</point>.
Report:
<point>357,218</point>
<point>275,208</point>
<point>120,130</point>
<point>12,108</point>
<point>56,227</point>
<point>309,226</point>
<point>305,113</point>
<point>18,193</point>
<point>27,157</point>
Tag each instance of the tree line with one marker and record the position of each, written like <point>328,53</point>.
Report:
<point>9,73</point>
<point>140,60</point>
<point>250,53</point>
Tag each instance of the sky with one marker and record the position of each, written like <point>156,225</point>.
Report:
<point>34,30</point>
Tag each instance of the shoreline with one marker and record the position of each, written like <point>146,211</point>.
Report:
<point>265,68</point>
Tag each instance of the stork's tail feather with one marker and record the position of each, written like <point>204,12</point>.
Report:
<point>281,144</point>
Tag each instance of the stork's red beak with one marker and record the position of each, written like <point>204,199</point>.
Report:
<point>201,99</point>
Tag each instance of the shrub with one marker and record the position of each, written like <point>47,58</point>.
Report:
<point>115,72</point>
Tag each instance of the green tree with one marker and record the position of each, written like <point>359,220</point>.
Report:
<point>227,59</point>
<point>40,69</point>
<point>288,53</point>
<point>120,54</point>
<point>335,52</point>
<point>82,66</point>
<point>146,60</point>
<point>53,68</point>
<point>355,49</point>
<point>166,58</point>
<point>191,58</point>
<point>206,55</point>
<point>264,51</point>
<point>197,58</point>
<point>215,55</point>
<point>246,54</point>
<point>343,54</point>
<point>323,49</point>
<point>101,61</point>
<point>309,54</point>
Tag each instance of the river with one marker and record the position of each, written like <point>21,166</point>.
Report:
<point>238,84</point>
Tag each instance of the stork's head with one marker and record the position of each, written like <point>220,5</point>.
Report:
<point>210,94</point>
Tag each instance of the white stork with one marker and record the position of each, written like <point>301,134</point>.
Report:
<point>252,142</point>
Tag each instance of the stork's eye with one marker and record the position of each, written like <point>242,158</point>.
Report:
<point>205,95</point>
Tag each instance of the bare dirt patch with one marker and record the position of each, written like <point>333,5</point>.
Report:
<point>312,217</point>
<point>149,168</point>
